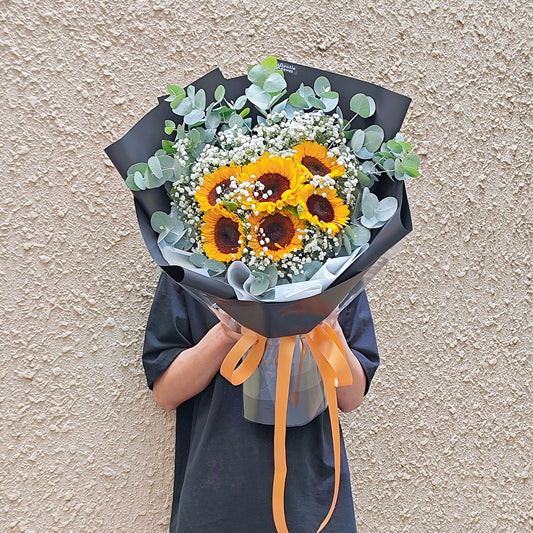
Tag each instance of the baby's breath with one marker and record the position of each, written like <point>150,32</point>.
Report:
<point>278,136</point>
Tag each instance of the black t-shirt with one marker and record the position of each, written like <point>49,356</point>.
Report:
<point>224,464</point>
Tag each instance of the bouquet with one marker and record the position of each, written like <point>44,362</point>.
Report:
<point>274,197</point>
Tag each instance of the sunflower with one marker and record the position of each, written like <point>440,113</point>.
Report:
<point>222,235</point>
<point>215,185</point>
<point>323,208</point>
<point>276,234</point>
<point>275,181</point>
<point>314,157</point>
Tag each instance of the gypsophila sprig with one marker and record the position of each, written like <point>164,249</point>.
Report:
<point>282,185</point>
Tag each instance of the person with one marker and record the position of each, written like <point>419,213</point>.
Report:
<point>224,463</point>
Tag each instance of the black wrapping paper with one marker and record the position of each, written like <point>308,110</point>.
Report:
<point>280,318</point>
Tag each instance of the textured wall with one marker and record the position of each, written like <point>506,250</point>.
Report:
<point>443,442</point>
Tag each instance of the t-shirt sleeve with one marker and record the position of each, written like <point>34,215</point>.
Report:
<point>168,330</point>
<point>358,328</point>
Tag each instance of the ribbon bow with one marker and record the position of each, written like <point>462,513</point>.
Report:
<point>328,352</point>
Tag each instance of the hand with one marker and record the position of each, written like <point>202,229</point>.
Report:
<point>350,396</point>
<point>231,327</point>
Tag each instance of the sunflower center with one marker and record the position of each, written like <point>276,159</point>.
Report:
<point>320,207</point>
<point>278,229</point>
<point>213,196</point>
<point>315,166</point>
<point>227,235</point>
<point>277,183</point>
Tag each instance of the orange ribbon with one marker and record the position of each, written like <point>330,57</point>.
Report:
<point>327,349</point>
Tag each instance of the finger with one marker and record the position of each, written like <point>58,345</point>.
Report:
<point>235,335</point>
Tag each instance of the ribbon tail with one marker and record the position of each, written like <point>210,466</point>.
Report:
<point>286,351</point>
<point>331,394</point>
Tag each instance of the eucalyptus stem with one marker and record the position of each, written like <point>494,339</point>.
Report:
<point>349,122</point>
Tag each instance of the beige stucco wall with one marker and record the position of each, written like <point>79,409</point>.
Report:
<point>444,440</point>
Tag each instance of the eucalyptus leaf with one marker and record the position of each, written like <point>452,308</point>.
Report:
<point>138,179</point>
<point>364,153</point>
<point>130,183</point>
<point>360,105</point>
<point>215,267</point>
<point>160,221</point>
<point>259,285</point>
<point>321,85</point>
<point>399,172</point>
<point>395,147</point>
<point>210,134</point>
<point>184,107</point>
<point>358,140</point>
<point>305,91</point>
<point>155,167</point>
<point>194,117</point>
<point>277,97</point>
<point>137,167</point>
<point>317,103</point>
<point>272,272</point>
<point>387,208</point>
<point>297,278</point>
<point>199,100</point>
<point>270,63</point>
<point>347,243</point>
<point>169,126</point>
<point>411,162</point>
<point>373,137</point>
<point>310,269</point>
<point>372,222</point>
<point>361,235</point>
<point>330,102</point>
<point>180,132</point>
<point>257,75</point>
<point>212,120</point>
<point>258,96</point>
<point>368,167</point>
<point>372,105</point>
<point>220,91</point>
<point>297,101</point>
<point>175,90</point>
<point>240,102</point>
<point>198,260</point>
<point>195,137</point>
<point>369,203</point>
<point>364,179</point>
<point>274,83</point>
<point>235,120</point>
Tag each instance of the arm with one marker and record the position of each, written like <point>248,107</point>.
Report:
<point>179,358</point>
<point>351,396</point>
<point>355,328</point>
<point>192,371</point>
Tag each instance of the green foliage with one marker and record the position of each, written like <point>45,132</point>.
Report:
<point>362,105</point>
<point>213,267</point>
<point>376,212</point>
<point>396,159</point>
<point>171,229</point>
<point>263,280</point>
<point>159,169</point>
<point>267,84</point>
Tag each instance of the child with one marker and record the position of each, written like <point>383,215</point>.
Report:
<point>224,463</point>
